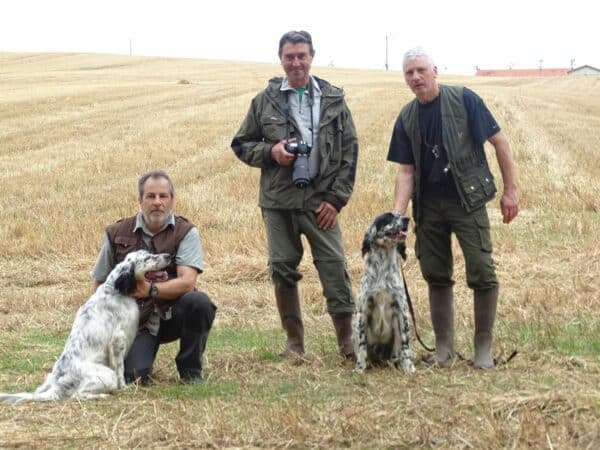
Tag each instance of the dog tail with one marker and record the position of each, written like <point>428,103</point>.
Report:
<point>26,397</point>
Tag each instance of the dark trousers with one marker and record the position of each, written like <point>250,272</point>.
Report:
<point>192,316</point>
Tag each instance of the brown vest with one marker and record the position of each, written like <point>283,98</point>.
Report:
<point>124,240</point>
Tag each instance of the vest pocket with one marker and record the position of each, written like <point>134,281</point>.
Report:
<point>478,189</point>
<point>123,246</point>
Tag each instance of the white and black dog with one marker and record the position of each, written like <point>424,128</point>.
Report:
<point>380,330</point>
<point>91,364</point>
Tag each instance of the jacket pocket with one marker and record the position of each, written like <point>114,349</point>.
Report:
<point>273,128</point>
<point>334,150</point>
<point>331,154</point>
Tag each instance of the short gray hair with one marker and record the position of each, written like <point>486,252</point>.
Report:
<point>155,174</point>
<point>417,52</point>
<point>296,37</point>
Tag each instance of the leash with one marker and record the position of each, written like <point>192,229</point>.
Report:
<point>501,362</point>
<point>412,313</point>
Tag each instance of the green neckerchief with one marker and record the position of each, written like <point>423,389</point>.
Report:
<point>300,91</point>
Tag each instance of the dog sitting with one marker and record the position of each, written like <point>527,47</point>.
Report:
<point>380,329</point>
<point>92,362</point>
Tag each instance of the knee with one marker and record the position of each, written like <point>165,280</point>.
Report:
<point>198,306</point>
<point>482,276</point>
<point>284,273</point>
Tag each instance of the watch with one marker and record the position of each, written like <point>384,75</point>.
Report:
<point>153,290</point>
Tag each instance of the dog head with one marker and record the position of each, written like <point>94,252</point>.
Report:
<point>386,231</point>
<point>135,266</point>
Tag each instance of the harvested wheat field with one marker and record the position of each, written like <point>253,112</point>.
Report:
<point>76,130</point>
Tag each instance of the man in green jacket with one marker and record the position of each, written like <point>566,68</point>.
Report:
<point>301,135</point>
<point>438,142</point>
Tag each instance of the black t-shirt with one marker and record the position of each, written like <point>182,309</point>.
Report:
<point>434,159</point>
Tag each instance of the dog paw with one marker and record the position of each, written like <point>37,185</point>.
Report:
<point>358,369</point>
<point>405,365</point>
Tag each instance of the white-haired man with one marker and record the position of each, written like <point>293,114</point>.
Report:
<point>438,142</point>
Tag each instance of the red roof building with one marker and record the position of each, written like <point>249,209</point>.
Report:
<point>523,72</point>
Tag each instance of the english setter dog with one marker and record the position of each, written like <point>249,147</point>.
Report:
<point>380,329</point>
<point>92,362</point>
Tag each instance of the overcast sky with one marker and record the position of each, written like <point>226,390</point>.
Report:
<point>459,34</point>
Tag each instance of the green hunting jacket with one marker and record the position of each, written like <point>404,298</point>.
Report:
<point>267,123</point>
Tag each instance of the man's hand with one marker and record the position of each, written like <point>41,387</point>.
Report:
<point>326,216</point>
<point>281,155</point>
<point>142,289</point>
<point>509,205</point>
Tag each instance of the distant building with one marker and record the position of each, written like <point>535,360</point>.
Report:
<point>581,70</point>
<point>584,70</point>
<point>523,72</point>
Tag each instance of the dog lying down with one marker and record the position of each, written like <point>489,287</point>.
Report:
<point>380,329</point>
<point>92,362</point>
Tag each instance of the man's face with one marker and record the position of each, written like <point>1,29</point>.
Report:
<point>296,61</point>
<point>421,76</point>
<point>157,203</point>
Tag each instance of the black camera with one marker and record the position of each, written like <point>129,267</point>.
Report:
<point>301,175</point>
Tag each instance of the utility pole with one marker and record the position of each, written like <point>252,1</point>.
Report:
<point>130,47</point>
<point>386,52</point>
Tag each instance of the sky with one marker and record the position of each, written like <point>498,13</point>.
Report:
<point>459,34</point>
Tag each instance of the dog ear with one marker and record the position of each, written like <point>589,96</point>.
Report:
<point>369,235</point>
<point>126,281</point>
<point>402,249</point>
<point>366,246</point>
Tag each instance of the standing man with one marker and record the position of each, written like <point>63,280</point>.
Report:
<point>294,113</point>
<point>438,142</point>
<point>171,309</point>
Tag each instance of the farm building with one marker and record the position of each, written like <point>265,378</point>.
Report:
<point>581,70</point>
<point>585,70</point>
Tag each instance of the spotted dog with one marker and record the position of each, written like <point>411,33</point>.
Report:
<point>380,328</point>
<point>92,362</point>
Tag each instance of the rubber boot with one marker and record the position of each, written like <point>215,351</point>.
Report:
<point>441,307</point>
<point>288,305</point>
<point>343,332</point>
<point>486,302</point>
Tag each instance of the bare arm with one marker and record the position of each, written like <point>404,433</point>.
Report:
<point>509,203</point>
<point>403,189</point>
<point>171,289</point>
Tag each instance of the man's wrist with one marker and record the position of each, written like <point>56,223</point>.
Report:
<point>153,291</point>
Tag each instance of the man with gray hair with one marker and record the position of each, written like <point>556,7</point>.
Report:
<point>438,142</point>
<point>170,308</point>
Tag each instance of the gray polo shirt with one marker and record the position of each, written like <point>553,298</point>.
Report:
<point>189,253</point>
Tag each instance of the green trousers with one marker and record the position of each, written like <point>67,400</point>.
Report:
<point>442,215</point>
<point>284,229</point>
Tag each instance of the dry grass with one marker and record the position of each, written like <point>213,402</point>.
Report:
<point>77,130</point>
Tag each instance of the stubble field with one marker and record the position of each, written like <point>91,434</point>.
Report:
<point>77,130</point>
